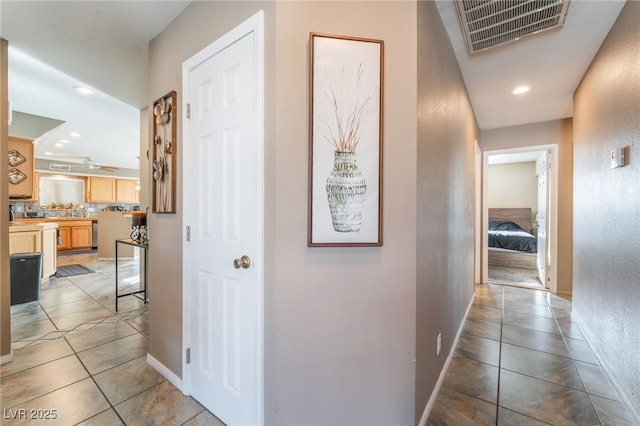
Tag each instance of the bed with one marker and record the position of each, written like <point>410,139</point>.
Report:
<point>510,240</point>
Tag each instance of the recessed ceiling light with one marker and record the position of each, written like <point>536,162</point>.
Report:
<point>83,90</point>
<point>64,141</point>
<point>58,145</point>
<point>47,153</point>
<point>74,134</point>
<point>520,90</point>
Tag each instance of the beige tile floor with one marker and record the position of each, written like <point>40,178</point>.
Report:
<point>520,360</point>
<point>78,361</point>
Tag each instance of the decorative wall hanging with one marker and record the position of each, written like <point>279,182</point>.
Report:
<point>345,141</point>
<point>164,153</point>
<point>16,176</point>
<point>15,158</point>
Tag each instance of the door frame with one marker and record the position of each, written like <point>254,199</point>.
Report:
<point>478,170</point>
<point>255,25</point>
<point>552,210</point>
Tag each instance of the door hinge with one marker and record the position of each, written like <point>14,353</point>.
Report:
<point>188,110</point>
<point>189,356</point>
<point>188,233</point>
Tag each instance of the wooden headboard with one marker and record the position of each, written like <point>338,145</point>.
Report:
<point>520,216</point>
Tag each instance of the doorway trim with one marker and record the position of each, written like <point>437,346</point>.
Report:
<point>552,216</point>
<point>255,25</point>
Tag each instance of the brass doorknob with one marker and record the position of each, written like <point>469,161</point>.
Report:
<point>244,262</point>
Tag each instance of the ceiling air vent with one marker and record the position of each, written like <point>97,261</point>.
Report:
<point>59,167</point>
<point>490,23</point>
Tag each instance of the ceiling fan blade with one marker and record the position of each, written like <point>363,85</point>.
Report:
<point>109,168</point>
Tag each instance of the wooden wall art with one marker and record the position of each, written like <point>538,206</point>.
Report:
<point>164,153</point>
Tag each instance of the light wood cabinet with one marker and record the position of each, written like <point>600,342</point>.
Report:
<point>65,238</point>
<point>21,182</point>
<point>49,252</point>
<point>126,191</point>
<point>25,241</point>
<point>81,236</point>
<point>36,187</point>
<point>76,234</point>
<point>101,190</point>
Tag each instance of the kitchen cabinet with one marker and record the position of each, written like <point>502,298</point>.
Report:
<point>81,236</point>
<point>21,165</point>
<point>36,187</point>
<point>101,190</point>
<point>24,240</point>
<point>49,251</point>
<point>65,238</point>
<point>36,238</point>
<point>126,191</point>
<point>75,234</point>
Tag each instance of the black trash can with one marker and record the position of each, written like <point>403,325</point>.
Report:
<point>26,270</point>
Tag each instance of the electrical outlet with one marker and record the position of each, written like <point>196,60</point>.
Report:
<point>439,344</point>
<point>18,209</point>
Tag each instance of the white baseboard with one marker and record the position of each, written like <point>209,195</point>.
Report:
<point>6,358</point>
<point>168,374</point>
<point>445,368</point>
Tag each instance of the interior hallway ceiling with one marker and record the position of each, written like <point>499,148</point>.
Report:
<point>56,45</point>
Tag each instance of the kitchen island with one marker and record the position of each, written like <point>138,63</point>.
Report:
<point>36,237</point>
<point>113,226</point>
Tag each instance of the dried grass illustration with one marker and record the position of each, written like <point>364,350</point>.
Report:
<point>348,105</point>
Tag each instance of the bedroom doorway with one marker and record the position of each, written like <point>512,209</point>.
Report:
<point>520,197</point>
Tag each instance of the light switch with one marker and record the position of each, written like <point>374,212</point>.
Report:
<point>617,158</point>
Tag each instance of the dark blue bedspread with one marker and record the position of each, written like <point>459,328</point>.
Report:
<point>508,235</point>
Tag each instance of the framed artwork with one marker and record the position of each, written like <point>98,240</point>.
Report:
<point>345,141</point>
<point>164,154</point>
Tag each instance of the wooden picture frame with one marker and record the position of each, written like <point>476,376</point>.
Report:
<point>163,147</point>
<point>346,76</point>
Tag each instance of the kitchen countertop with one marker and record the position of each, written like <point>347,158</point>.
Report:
<point>31,226</point>
<point>52,219</point>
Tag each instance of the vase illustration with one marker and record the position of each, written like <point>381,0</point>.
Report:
<point>346,190</point>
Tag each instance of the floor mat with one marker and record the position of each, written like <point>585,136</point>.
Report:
<point>70,270</point>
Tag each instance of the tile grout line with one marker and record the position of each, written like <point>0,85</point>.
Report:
<point>500,359</point>
<point>573,361</point>
<point>125,316</point>
<point>97,386</point>
<point>111,405</point>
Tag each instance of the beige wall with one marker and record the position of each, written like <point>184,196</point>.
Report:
<point>558,132</point>
<point>445,228</point>
<point>607,203</point>
<point>5,289</point>
<point>339,322</point>
<point>513,185</point>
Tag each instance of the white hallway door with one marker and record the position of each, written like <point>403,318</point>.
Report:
<point>223,277</point>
